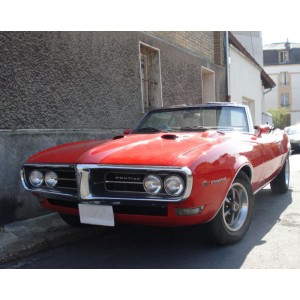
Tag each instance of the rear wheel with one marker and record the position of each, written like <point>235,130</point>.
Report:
<point>280,184</point>
<point>233,219</point>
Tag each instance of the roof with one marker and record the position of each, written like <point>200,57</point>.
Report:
<point>266,79</point>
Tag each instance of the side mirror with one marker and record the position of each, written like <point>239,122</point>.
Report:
<point>127,131</point>
<point>262,129</point>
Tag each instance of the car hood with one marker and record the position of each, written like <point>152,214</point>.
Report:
<point>160,149</point>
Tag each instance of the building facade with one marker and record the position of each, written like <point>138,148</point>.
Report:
<point>282,63</point>
<point>58,87</point>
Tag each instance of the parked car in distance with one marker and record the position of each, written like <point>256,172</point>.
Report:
<point>293,133</point>
<point>179,166</point>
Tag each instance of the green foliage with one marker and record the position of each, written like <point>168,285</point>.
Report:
<point>281,117</point>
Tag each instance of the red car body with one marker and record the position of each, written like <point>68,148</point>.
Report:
<point>207,161</point>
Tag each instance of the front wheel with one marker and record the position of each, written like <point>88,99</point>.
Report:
<point>280,184</point>
<point>233,219</point>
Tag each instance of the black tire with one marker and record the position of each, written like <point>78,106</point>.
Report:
<point>72,220</point>
<point>280,184</point>
<point>233,219</point>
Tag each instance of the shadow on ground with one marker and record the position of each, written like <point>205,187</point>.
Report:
<point>135,247</point>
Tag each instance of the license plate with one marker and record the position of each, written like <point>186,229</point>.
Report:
<point>96,214</point>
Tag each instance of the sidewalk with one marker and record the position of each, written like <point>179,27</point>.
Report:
<point>23,238</point>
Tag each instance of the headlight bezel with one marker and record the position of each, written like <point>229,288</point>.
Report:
<point>159,180</point>
<point>48,180</point>
<point>179,181</point>
<point>31,180</point>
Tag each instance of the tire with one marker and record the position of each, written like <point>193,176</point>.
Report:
<point>280,184</point>
<point>72,220</point>
<point>233,219</point>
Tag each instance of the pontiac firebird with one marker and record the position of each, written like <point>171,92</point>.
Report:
<point>179,166</point>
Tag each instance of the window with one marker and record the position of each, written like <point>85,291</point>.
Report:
<point>150,77</point>
<point>284,78</point>
<point>284,98</point>
<point>283,57</point>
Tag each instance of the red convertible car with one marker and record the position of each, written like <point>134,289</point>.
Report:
<point>179,166</point>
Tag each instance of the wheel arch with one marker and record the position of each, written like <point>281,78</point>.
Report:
<point>247,169</point>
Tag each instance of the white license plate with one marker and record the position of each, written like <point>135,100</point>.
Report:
<point>96,214</point>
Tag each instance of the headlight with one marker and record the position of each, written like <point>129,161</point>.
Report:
<point>36,178</point>
<point>174,185</point>
<point>51,179</point>
<point>152,184</point>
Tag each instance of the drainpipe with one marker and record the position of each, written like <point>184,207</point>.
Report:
<point>227,53</point>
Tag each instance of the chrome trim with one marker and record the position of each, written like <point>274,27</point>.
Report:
<point>47,192</point>
<point>51,165</point>
<point>83,171</point>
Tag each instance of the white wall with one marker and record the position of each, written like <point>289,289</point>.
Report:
<point>245,82</point>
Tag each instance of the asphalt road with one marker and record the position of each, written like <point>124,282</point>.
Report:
<point>272,242</point>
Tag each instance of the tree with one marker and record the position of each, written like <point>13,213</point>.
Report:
<point>281,117</point>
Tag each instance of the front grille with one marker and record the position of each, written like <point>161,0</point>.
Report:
<point>124,183</point>
<point>67,183</point>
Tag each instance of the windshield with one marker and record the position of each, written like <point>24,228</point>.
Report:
<point>223,118</point>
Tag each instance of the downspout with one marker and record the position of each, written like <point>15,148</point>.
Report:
<point>227,53</point>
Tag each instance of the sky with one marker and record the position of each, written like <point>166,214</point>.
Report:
<point>277,36</point>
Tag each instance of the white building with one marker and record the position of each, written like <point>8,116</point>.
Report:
<point>248,81</point>
<point>282,63</point>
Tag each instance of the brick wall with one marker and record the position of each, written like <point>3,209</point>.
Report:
<point>201,43</point>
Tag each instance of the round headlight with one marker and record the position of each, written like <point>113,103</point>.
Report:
<point>36,178</point>
<point>51,179</point>
<point>174,185</point>
<point>152,184</point>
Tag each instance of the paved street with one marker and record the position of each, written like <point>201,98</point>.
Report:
<point>273,242</point>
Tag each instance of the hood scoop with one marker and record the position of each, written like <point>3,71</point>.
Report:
<point>169,137</point>
<point>118,137</point>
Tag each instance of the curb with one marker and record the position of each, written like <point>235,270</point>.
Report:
<point>24,238</point>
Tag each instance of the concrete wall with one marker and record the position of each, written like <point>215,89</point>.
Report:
<point>18,145</point>
<point>57,87</point>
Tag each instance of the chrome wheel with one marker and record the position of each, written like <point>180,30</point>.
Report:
<point>235,207</point>
<point>234,218</point>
